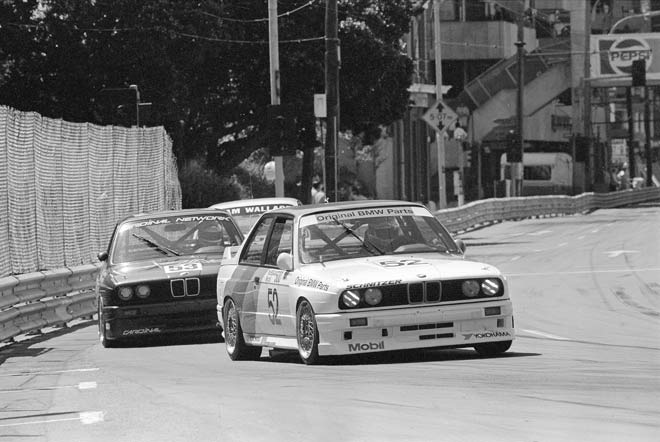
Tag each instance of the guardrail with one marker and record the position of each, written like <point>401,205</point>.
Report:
<point>37,300</point>
<point>484,212</point>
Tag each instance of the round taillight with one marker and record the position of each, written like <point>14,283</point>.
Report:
<point>373,296</point>
<point>125,293</point>
<point>142,291</point>
<point>350,298</point>
<point>470,288</point>
<point>490,287</point>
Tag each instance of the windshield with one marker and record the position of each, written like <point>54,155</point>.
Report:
<point>174,236</point>
<point>346,234</point>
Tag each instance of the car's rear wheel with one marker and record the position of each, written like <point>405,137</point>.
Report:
<point>307,333</point>
<point>236,347</point>
<point>490,349</point>
<point>105,342</point>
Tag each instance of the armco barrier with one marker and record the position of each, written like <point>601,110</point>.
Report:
<point>36,300</point>
<point>33,301</point>
<point>483,212</point>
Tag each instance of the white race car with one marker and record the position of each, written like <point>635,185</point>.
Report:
<point>357,277</point>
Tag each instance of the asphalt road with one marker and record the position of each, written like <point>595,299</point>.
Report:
<point>585,365</point>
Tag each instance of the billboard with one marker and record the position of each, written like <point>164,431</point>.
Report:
<point>613,55</point>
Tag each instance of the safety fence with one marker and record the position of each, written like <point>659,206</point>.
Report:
<point>36,300</point>
<point>64,185</point>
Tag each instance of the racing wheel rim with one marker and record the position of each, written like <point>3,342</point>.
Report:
<point>306,330</point>
<point>231,327</point>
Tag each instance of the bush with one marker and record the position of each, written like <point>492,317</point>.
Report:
<point>202,187</point>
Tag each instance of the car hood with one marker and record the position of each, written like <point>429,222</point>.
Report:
<point>182,267</point>
<point>396,269</point>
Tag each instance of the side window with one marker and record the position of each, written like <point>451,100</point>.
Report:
<point>254,248</point>
<point>281,240</point>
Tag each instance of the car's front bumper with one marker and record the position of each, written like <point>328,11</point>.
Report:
<point>157,319</point>
<point>456,325</point>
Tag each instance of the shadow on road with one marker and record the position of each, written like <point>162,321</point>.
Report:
<point>27,345</point>
<point>394,357</point>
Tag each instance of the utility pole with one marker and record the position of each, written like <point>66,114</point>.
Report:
<point>273,41</point>
<point>134,87</point>
<point>439,138</point>
<point>647,139</point>
<point>518,175</point>
<point>332,98</point>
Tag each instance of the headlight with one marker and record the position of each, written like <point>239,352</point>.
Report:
<point>125,293</point>
<point>470,288</point>
<point>373,296</point>
<point>350,298</point>
<point>490,287</point>
<point>143,291</point>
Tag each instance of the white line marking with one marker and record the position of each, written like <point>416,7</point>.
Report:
<point>541,232</point>
<point>562,244</point>
<point>545,335</point>
<point>87,385</point>
<point>91,417</point>
<point>615,253</point>
<point>86,418</point>
<point>516,258</point>
<point>585,272</point>
<point>80,386</point>
<point>30,373</point>
<point>595,231</point>
<point>581,237</point>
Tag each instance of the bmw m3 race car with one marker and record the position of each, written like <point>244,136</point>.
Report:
<point>247,212</point>
<point>358,277</point>
<point>159,273</point>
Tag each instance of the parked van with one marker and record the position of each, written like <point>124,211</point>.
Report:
<point>544,173</point>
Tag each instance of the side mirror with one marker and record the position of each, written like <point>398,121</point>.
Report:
<point>285,261</point>
<point>103,256</point>
<point>461,245</point>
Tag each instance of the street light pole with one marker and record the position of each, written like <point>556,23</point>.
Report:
<point>274,56</point>
<point>137,103</point>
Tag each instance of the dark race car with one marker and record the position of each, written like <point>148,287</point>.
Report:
<point>159,273</point>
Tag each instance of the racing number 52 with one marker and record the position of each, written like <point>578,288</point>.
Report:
<point>273,304</point>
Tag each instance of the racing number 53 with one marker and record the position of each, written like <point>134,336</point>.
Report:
<point>273,304</point>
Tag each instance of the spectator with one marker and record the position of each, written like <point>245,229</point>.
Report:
<point>318,194</point>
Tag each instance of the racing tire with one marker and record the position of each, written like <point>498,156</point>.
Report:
<point>105,342</point>
<point>490,349</point>
<point>235,345</point>
<point>307,333</point>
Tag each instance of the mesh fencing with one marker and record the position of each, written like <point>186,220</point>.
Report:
<point>63,187</point>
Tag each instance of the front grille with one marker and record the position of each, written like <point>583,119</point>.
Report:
<point>184,287</point>
<point>425,292</point>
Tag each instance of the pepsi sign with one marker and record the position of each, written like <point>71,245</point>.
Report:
<point>616,54</point>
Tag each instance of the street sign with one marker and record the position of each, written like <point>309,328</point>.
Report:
<point>440,116</point>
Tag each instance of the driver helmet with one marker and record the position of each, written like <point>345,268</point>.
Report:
<point>210,233</point>
<point>382,231</point>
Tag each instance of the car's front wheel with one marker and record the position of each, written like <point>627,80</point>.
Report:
<point>490,349</point>
<point>236,347</point>
<point>307,333</point>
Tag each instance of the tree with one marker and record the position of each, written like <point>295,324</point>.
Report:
<point>202,64</point>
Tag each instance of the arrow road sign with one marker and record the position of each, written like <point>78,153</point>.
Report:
<point>440,116</point>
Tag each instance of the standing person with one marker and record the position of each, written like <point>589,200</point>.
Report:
<point>318,195</point>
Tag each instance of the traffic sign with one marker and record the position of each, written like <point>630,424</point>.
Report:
<point>440,116</point>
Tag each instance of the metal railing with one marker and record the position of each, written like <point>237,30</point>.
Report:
<point>37,300</point>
